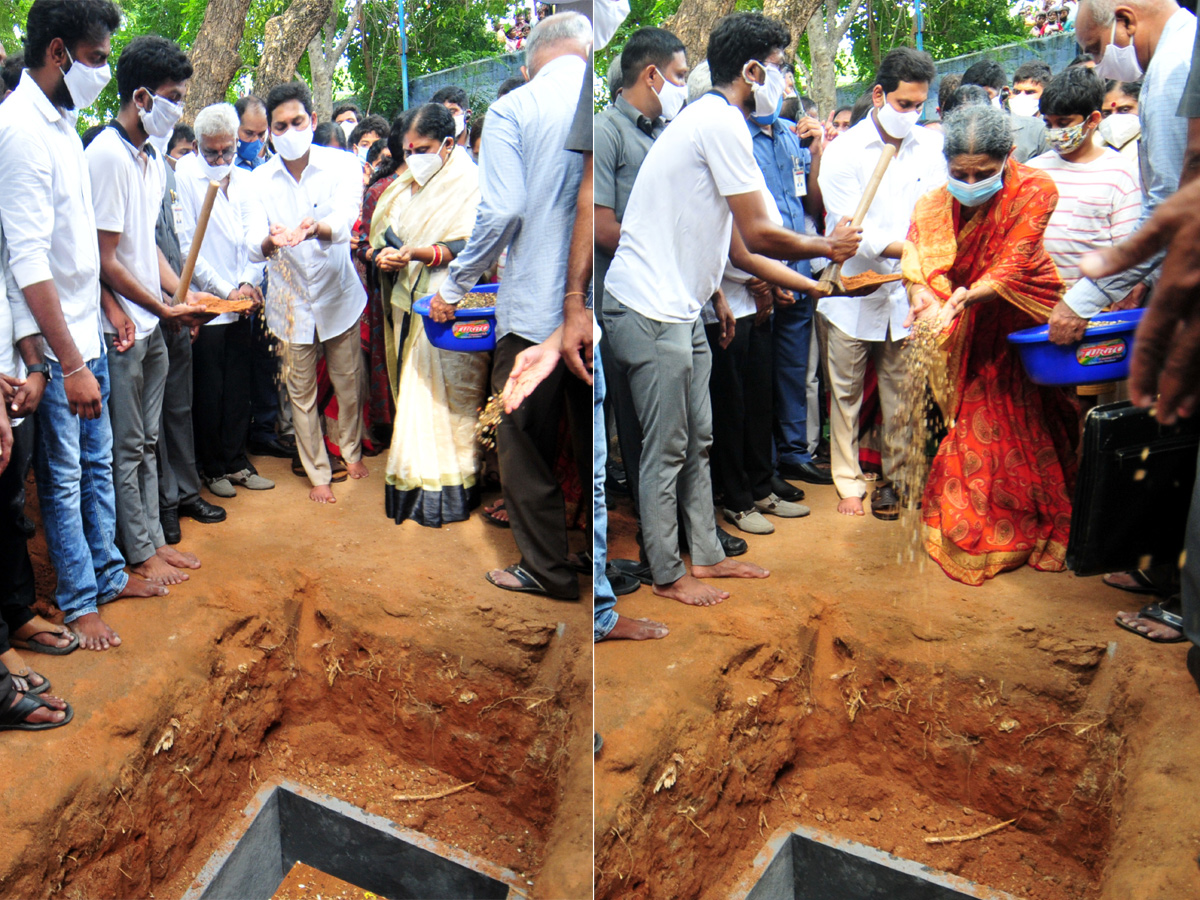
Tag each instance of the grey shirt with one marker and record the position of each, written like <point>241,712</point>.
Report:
<point>1189,106</point>
<point>623,138</point>
<point>1029,135</point>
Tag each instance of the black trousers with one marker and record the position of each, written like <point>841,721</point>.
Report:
<point>264,380</point>
<point>527,445</point>
<point>741,386</point>
<point>222,366</point>
<point>178,480</point>
<point>16,571</point>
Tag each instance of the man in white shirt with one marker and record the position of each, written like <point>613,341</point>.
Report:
<point>873,326</point>
<point>697,180</point>
<point>305,201</point>
<point>127,184</point>
<point>221,353</point>
<point>46,209</point>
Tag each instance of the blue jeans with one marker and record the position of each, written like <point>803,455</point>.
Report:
<point>792,332</point>
<point>74,466</point>
<point>604,600</point>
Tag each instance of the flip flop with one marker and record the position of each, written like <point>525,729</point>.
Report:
<point>32,646</point>
<point>528,584</point>
<point>489,515</point>
<point>639,570</point>
<point>22,683</point>
<point>1156,612</point>
<point>1142,634</point>
<point>13,718</point>
<point>1144,584</point>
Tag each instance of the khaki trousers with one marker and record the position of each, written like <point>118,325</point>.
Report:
<point>343,359</point>
<point>847,359</point>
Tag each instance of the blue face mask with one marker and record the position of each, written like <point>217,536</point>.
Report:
<point>978,193</point>
<point>249,150</point>
<point>769,120</point>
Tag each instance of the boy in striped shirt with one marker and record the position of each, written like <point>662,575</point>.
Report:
<point>1099,190</point>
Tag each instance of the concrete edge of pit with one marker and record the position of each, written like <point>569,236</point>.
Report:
<point>783,835</point>
<point>517,888</point>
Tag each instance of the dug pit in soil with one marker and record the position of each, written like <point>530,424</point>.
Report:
<point>888,705</point>
<point>368,661</point>
<point>291,825</point>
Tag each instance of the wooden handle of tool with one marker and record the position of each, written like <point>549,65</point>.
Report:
<point>189,266</point>
<point>833,272</point>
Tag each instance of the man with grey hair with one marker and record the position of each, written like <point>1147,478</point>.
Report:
<point>529,184</point>
<point>222,350</point>
<point>1131,40</point>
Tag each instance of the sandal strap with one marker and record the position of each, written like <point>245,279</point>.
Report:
<point>21,710</point>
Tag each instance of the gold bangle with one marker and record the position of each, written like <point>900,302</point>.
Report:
<point>575,294</point>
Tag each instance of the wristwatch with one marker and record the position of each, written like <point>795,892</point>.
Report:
<point>39,369</point>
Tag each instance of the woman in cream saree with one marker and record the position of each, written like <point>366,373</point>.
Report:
<point>430,208</point>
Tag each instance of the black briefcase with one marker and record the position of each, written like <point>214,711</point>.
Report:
<point>1134,490</point>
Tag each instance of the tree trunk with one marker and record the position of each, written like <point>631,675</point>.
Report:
<point>285,39</point>
<point>825,32</point>
<point>694,21</point>
<point>324,52</point>
<point>795,14</point>
<point>214,54</point>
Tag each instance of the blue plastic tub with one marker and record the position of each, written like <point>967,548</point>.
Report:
<point>470,331</point>
<point>1103,354</point>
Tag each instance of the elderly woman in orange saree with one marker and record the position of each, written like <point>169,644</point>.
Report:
<point>999,489</point>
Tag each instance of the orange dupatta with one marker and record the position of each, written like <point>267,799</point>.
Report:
<point>1000,247</point>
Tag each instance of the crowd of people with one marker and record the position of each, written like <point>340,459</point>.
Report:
<point>721,201</point>
<point>128,393</point>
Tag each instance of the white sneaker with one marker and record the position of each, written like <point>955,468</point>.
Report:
<point>750,521</point>
<point>772,505</point>
<point>251,481</point>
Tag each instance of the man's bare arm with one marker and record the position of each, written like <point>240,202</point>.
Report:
<point>608,229</point>
<point>765,237</point>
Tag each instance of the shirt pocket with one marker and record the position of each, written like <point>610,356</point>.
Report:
<point>1090,218</point>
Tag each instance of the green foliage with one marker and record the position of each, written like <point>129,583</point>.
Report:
<point>642,14</point>
<point>952,28</point>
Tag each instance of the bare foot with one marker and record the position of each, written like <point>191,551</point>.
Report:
<point>138,587</point>
<point>357,469</point>
<point>628,629</point>
<point>94,634</point>
<point>497,512</point>
<point>1125,580</point>
<point>177,558</point>
<point>322,493</point>
<point>16,667</point>
<point>730,568</point>
<point>691,591</point>
<point>40,631</point>
<point>504,578</point>
<point>159,571</point>
<point>41,714</point>
<point>1149,627</point>
<point>851,506</point>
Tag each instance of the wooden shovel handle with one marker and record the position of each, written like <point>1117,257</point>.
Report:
<point>833,272</point>
<point>189,266</point>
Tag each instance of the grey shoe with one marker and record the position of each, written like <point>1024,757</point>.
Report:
<point>251,481</point>
<point>750,521</point>
<point>221,487</point>
<point>772,505</point>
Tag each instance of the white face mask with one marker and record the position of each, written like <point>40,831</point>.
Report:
<point>1120,128</point>
<point>768,94</point>
<point>997,103</point>
<point>214,173</point>
<point>361,152</point>
<point>162,116</point>
<point>1119,63</point>
<point>424,166</point>
<point>292,144</point>
<point>1023,104</point>
<point>673,97</point>
<point>897,124</point>
<point>347,128</point>
<point>460,122</point>
<point>84,82</point>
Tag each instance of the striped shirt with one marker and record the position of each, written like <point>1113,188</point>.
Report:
<point>1099,203</point>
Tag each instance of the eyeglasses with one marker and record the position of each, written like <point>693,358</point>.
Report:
<point>217,156</point>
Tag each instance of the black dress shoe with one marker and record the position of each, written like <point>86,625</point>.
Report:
<point>169,519</point>
<point>633,568</point>
<point>733,546</point>
<point>810,472</point>
<point>785,491</point>
<point>202,511</point>
<point>283,448</point>
<point>621,583</point>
